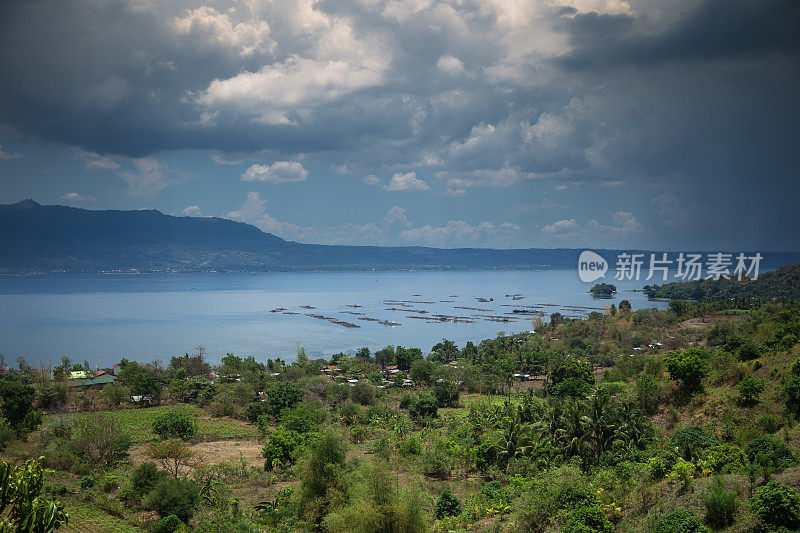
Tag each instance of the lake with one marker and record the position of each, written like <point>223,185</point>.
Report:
<point>102,318</point>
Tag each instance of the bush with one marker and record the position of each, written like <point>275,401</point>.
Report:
<point>409,447</point>
<point>792,393</point>
<point>447,505</point>
<point>724,458</point>
<point>175,425</point>
<point>691,440</point>
<point>748,351</point>
<point>648,393</point>
<point>303,418</point>
<point>98,441</point>
<point>588,520</point>
<point>144,479</point>
<point>363,393</point>
<point>405,401</point>
<point>437,460</point>
<point>769,423</point>
<point>109,483</point>
<point>689,367</point>
<point>87,482</point>
<point>770,450</point>
<point>282,448</point>
<point>682,521</point>
<point>115,394</point>
<point>285,396</point>
<point>573,496</point>
<point>571,378</point>
<point>777,504</point>
<point>749,390</point>
<point>174,497</point>
<point>424,406</point>
<point>720,504</point>
<point>446,394</point>
<point>253,410</point>
<point>168,524</point>
<point>349,413</point>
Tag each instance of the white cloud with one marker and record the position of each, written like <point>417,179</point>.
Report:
<point>75,197</point>
<point>395,228</point>
<point>567,225</point>
<point>222,159</point>
<point>406,182</point>
<point>372,180</point>
<point>450,64</point>
<point>671,210</point>
<point>278,172</point>
<point>148,176</point>
<point>9,155</point>
<point>94,161</point>
<point>214,27</point>
<point>192,211</point>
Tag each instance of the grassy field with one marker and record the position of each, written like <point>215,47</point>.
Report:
<point>137,423</point>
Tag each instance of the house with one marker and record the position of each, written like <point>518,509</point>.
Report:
<point>330,369</point>
<point>95,382</point>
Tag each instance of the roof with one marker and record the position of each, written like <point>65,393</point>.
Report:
<point>88,382</point>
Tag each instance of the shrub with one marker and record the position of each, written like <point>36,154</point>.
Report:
<point>174,425</point>
<point>322,477</point>
<point>446,394</point>
<point>573,496</point>
<point>724,458</point>
<point>109,483</point>
<point>571,378</point>
<point>174,497</point>
<point>689,367</point>
<point>720,504</point>
<point>748,351</point>
<point>588,520</point>
<point>87,482</point>
<point>98,441</point>
<point>285,395</point>
<point>358,434</point>
<point>770,450</point>
<point>691,440</point>
<point>749,390</point>
<point>777,504</point>
<point>437,461</point>
<point>282,448</point>
<point>447,505</point>
<point>363,393</point>
<point>682,521</point>
<point>424,406</point>
<point>168,524</point>
<point>144,479</point>
<point>769,423</point>
<point>253,410</point>
<point>405,401</point>
<point>648,393</point>
<point>115,394</point>
<point>349,413</point>
<point>792,393</point>
<point>422,371</point>
<point>409,447</point>
<point>303,418</point>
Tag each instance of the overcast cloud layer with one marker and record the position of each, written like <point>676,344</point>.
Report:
<point>660,124</point>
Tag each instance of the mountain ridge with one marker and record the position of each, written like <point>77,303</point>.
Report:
<point>45,238</point>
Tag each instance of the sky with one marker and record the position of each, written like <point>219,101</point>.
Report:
<point>661,124</point>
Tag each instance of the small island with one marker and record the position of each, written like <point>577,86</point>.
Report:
<point>603,290</point>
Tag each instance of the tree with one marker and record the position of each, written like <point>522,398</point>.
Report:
<point>625,306</point>
<point>603,290</point>
<point>140,379</point>
<point>20,493</point>
<point>174,497</point>
<point>99,441</point>
<point>16,400</point>
<point>571,378</point>
<point>385,356</point>
<point>195,365</point>
<point>405,357</point>
<point>364,393</point>
<point>447,505</point>
<point>282,448</point>
<point>363,353</point>
<point>689,367</point>
<point>422,371</point>
<point>322,477</point>
<point>445,351</point>
<point>173,455</point>
<point>749,390</point>
<point>285,395</point>
<point>115,394</point>
<point>175,424</point>
<point>424,406</point>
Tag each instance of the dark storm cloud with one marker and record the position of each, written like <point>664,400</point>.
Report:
<point>711,30</point>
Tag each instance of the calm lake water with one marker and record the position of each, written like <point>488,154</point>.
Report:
<point>102,318</point>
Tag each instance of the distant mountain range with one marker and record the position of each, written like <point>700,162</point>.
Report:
<point>39,238</point>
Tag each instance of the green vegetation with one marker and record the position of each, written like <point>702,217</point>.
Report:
<point>603,290</point>
<point>653,421</point>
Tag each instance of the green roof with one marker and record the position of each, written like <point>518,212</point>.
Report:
<point>88,382</point>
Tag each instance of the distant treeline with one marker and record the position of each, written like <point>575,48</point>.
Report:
<point>781,284</point>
